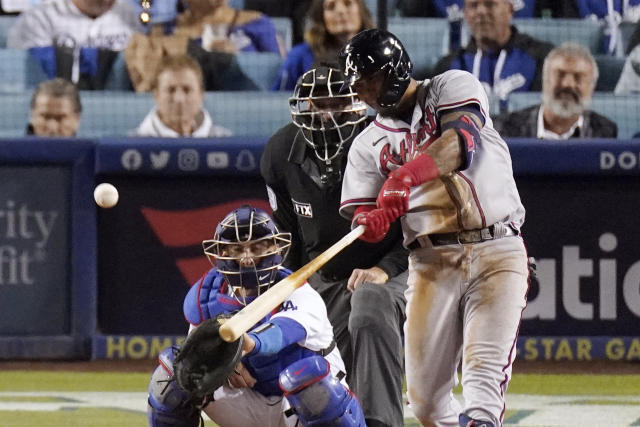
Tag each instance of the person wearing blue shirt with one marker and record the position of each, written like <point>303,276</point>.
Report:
<point>612,13</point>
<point>502,58</point>
<point>332,23</point>
<point>211,32</point>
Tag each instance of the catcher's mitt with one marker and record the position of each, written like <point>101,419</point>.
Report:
<point>205,360</point>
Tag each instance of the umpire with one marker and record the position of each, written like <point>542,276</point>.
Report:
<point>363,287</point>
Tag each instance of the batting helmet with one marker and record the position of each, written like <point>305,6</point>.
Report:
<point>327,118</point>
<point>247,248</point>
<point>374,51</point>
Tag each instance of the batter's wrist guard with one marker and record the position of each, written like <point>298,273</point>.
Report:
<point>421,169</point>
<point>468,135</point>
<point>360,211</point>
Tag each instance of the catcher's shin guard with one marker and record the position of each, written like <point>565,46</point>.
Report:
<point>465,421</point>
<point>169,405</point>
<point>317,397</point>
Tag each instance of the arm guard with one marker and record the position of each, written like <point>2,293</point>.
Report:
<point>468,135</point>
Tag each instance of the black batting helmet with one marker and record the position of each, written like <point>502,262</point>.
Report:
<point>372,51</point>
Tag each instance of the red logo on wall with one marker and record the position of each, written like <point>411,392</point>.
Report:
<point>187,228</point>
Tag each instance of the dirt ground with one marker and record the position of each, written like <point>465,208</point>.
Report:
<point>148,365</point>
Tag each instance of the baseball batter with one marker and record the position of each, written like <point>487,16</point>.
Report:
<point>433,159</point>
<point>290,353</point>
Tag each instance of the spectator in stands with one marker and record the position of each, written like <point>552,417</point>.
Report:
<point>503,59</point>
<point>331,24</point>
<point>629,82</point>
<point>55,109</point>
<point>570,74</point>
<point>212,32</point>
<point>76,39</point>
<point>611,14</point>
<point>178,91</point>
<point>452,10</point>
<point>521,8</point>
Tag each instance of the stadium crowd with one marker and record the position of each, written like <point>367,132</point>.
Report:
<point>252,45</point>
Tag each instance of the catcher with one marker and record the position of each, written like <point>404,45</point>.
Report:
<point>287,371</point>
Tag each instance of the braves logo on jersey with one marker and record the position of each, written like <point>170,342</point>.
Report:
<point>412,144</point>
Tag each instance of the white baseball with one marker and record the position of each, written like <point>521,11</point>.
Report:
<point>105,195</point>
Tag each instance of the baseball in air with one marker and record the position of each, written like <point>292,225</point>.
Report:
<point>105,195</point>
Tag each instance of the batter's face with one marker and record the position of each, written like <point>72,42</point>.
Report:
<point>369,89</point>
<point>179,96</point>
<point>489,20</point>
<point>342,17</point>
<point>54,116</point>
<point>568,85</point>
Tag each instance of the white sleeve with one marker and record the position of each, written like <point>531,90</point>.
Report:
<point>362,178</point>
<point>31,29</point>
<point>306,307</point>
<point>457,88</point>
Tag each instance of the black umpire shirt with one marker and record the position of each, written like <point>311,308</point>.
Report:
<point>309,212</point>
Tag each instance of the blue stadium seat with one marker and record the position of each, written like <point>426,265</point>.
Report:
<point>557,31</point>
<point>118,78</point>
<point>372,5</point>
<point>249,113</point>
<point>6,22</point>
<point>624,110</point>
<point>609,68</point>
<point>106,113</point>
<point>520,100</point>
<point>284,30</point>
<point>426,39</point>
<point>15,114</point>
<point>261,67</point>
<point>19,70</point>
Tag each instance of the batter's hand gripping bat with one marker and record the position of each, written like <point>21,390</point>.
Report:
<point>246,318</point>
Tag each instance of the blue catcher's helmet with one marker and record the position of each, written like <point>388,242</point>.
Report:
<point>377,51</point>
<point>247,248</point>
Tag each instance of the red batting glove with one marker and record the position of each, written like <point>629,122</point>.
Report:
<point>394,197</point>
<point>376,222</point>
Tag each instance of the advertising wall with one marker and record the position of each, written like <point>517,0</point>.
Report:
<point>110,283</point>
<point>47,248</point>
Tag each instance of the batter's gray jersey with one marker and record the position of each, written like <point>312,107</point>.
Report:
<point>481,195</point>
<point>60,23</point>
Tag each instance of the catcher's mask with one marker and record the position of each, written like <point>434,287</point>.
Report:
<point>248,249</point>
<point>327,118</point>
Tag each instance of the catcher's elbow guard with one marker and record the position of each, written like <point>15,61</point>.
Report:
<point>309,381</point>
<point>169,405</point>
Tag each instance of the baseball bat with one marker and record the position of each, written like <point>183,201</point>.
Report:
<point>246,318</point>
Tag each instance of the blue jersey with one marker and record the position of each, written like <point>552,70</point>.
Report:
<point>612,13</point>
<point>517,67</point>
<point>297,62</point>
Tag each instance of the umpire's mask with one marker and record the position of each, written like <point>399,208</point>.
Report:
<point>327,118</point>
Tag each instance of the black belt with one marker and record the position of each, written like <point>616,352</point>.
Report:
<point>327,350</point>
<point>465,236</point>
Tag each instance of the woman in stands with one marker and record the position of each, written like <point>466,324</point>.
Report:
<point>331,24</point>
<point>211,31</point>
